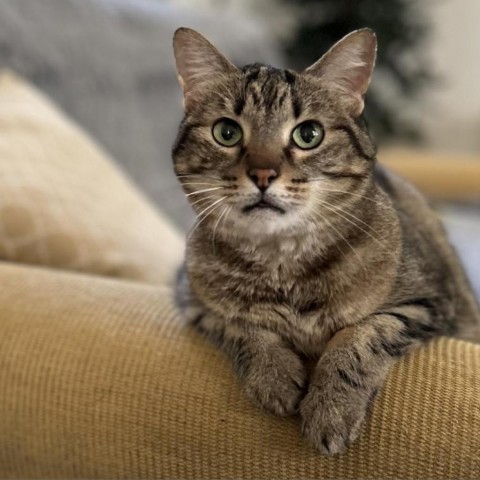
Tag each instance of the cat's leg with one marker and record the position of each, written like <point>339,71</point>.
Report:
<point>187,302</point>
<point>273,375</point>
<point>352,370</point>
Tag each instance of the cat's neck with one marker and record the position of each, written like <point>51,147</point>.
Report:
<point>288,260</point>
<point>291,250</point>
<point>313,242</point>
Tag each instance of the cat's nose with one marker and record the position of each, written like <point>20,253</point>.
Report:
<point>262,177</point>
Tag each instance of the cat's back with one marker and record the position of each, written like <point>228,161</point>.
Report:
<point>425,239</point>
<point>418,219</point>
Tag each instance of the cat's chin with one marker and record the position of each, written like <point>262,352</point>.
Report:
<point>265,221</point>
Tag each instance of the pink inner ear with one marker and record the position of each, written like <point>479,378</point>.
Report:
<point>348,65</point>
<point>197,60</point>
<point>360,67</point>
<point>188,56</point>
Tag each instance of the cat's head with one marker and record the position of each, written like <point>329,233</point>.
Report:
<point>265,151</point>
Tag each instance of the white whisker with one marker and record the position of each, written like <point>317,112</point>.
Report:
<point>209,206</point>
<point>350,215</point>
<point>382,245</point>
<point>217,224</point>
<point>199,183</point>
<point>204,190</point>
<point>342,237</point>
<point>201,175</point>
<point>203,199</point>
<point>203,212</point>
<point>344,191</point>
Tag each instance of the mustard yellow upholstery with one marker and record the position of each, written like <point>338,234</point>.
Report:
<point>440,176</point>
<point>100,378</point>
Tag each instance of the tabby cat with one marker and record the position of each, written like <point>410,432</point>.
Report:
<point>313,268</point>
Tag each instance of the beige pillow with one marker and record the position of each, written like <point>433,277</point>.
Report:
<point>63,202</point>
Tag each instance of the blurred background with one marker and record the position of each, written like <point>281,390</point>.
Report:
<point>109,65</point>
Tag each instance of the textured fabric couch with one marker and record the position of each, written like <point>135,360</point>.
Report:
<point>100,378</point>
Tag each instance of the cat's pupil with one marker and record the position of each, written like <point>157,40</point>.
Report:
<point>228,131</point>
<point>308,132</point>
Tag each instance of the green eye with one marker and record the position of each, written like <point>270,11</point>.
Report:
<point>227,132</point>
<point>308,135</point>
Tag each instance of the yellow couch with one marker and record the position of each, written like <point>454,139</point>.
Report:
<point>99,377</point>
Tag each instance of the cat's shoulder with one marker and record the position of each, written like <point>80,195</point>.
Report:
<point>396,186</point>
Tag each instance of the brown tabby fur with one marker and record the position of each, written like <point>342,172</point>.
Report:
<point>315,300</point>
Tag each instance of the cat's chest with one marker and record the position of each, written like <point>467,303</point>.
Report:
<point>254,289</point>
<point>276,284</point>
<point>300,307</point>
<point>306,302</point>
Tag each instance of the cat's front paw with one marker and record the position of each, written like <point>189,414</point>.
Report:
<point>331,419</point>
<point>276,381</point>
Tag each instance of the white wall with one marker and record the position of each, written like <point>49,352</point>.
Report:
<point>451,113</point>
<point>276,18</point>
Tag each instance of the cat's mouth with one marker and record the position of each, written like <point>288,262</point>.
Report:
<point>263,205</point>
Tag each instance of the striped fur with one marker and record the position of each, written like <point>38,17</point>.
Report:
<point>315,300</point>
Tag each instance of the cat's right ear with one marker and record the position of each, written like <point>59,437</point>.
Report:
<point>198,63</point>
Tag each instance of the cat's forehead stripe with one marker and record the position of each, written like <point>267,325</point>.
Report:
<point>268,88</point>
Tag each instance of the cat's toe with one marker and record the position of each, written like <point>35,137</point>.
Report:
<point>282,399</point>
<point>277,388</point>
<point>327,439</point>
<point>330,424</point>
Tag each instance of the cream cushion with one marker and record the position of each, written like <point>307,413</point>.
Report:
<point>65,204</point>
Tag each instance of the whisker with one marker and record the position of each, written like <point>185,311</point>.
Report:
<point>350,215</point>
<point>214,204</point>
<point>194,178</point>
<point>382,204</point>
<point>183,175</point>
<point>203,199</point>
<point>204,190</point>
<point>342,237</point>
<point>198,183</point>
<point>382,245</point>
<point>344,191</point>
<point>209,206</point>
<point>216,225</point>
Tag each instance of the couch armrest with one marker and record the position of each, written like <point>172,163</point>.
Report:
<point>99,379</point>
<point>441,176</point>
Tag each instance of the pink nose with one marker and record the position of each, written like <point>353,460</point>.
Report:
<point>262,177</point>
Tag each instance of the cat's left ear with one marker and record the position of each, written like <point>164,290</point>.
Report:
<point>198,62</point>
<point>348,65</point>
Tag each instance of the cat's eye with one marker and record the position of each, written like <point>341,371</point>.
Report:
<point>308,135</point>
<point>227,132</point>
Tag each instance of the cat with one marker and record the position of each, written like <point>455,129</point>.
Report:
<point>313,268</point>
